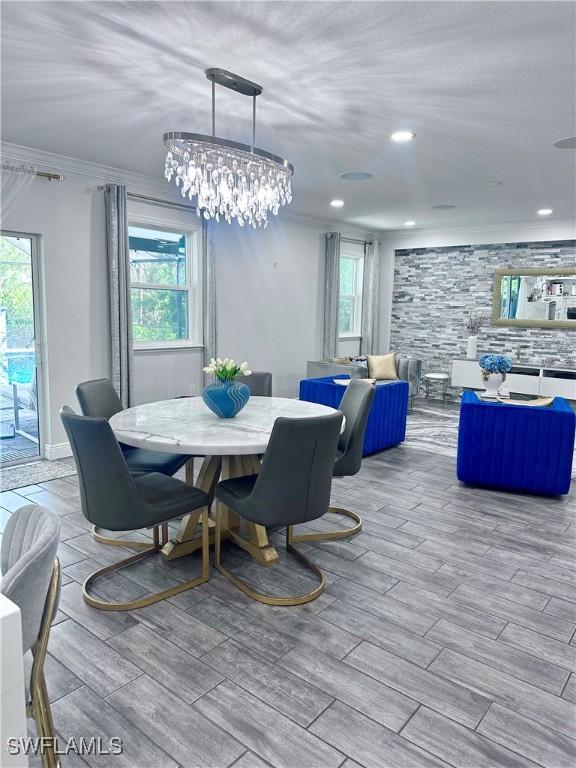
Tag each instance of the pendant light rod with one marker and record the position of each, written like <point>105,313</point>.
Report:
<point>253,122</point>
<point>213,108</point>
<point>238,84</point>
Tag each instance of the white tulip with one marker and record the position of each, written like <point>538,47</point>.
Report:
<point>247,372</point>
<point>243,366</point>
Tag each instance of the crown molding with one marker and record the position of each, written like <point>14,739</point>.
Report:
<point>143,184</point>
<point>478,229</point>
<point>328,224</point>
<point>106,174</point>
<point>157,187</point>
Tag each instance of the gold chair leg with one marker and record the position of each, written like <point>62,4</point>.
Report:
<point>343,533</point>
<point>42,715</point>
<point>157,545</point>
<point>259,596</point>
<point>39,707</point>
<point>101,539</point>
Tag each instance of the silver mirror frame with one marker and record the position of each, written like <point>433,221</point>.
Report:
<point>534,272</point>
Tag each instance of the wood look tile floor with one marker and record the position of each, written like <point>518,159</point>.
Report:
<point>445,637</point>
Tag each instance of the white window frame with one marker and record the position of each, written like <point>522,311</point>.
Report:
<point>353,254</point>
<point>192,287</point>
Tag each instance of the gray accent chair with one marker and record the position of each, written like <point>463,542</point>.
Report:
<point>408,368</point>
<point>293,487</point>
<point>31,579</point>
<point>355,406</point>
<point>115,499</point>
<point>98,398</point>
<point>317,369</point>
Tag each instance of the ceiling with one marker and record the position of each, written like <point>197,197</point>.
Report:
<point>486,86</point>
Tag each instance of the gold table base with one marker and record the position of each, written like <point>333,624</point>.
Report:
<point>251,537</point>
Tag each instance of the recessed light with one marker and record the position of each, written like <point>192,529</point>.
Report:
<point>401,136</point>
<point>409,223</point>
<point>442,207</point>
<point>492,183</point>
<point>569,143</point>
<point>337,203</point>
<point>545,211</point>
<point>356,175</point>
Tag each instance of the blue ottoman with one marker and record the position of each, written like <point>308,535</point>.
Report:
<point>515,447</point>
<point>387,420</point>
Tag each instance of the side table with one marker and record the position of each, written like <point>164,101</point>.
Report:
<point>437,378</point>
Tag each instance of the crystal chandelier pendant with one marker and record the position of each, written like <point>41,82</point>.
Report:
<point>229,179</point>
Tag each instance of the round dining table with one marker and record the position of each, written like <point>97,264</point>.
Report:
<point>230,447</point>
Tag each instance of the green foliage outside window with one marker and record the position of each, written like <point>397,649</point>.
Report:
<point>347,290</point>
<point>158,259</point>
<point>16,293</point>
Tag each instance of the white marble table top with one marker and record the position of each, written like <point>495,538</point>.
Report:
<point>188,426</point>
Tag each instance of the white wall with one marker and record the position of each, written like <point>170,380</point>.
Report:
<point>521,232</point>
<point>270,298</point>
<point>69,217</point>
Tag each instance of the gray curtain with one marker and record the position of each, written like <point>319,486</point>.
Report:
<point>370,299</point>
<point>209,292</point>
<point>119,285</point>
<point>331,295</point>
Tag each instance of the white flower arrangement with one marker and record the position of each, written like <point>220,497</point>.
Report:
<point>226,370</point>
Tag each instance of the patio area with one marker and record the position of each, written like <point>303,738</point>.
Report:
<point>18,436</point>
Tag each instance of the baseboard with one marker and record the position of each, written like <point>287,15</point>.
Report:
<point>53,451</point>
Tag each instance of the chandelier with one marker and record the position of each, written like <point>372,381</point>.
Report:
<point>229,179</point>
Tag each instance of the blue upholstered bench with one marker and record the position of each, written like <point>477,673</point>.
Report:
<point>515,447</point>
<point>387,420</point>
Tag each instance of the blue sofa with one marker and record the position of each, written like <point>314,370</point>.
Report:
<point>387,420</point>
<point>515,447</point>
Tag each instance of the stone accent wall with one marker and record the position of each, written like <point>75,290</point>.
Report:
<point>435,288</point>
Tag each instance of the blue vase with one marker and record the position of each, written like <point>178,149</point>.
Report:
<point>226,398</point>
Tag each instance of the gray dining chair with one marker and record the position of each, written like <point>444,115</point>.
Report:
<point>355,405</point>
<point>98,398</point>
<point>259,383</point>
<point>292,487</point>
<point>31,579</point>
<point>117,500</point>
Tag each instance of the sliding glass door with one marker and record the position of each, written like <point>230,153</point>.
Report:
<point>19,362</point>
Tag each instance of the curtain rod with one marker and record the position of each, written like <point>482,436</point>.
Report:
<point>158,201</point>
<point>50,176</point>
<point>353,240</point>
<point>155,200</point>
<point>43,174</point>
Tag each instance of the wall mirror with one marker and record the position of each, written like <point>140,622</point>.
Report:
<point>535,298</point>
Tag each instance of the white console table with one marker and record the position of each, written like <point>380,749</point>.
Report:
<point>523,379</point>
<point>12,696</point>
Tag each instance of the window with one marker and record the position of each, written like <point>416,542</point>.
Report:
<point>350,298</point>
<point>164,287</point>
